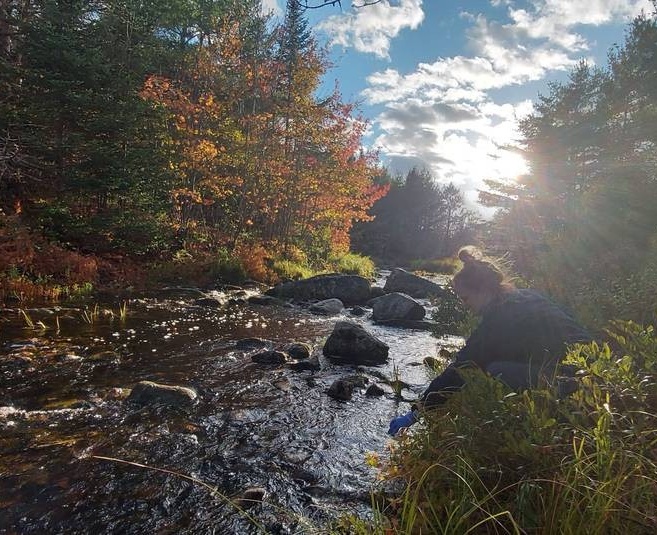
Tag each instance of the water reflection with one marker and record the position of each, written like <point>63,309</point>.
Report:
<point>61,403</point>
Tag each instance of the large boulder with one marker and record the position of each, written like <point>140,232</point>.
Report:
<point>402,281</point>
<point>350,289</point>
<point>150,393</point>
<point>396,306</point>
<point>351,343</point>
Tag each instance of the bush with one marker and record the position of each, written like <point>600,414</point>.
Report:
<point>352,264</point>
<point>451,315</point>
<point>287,269</point>
<point>495,461</point>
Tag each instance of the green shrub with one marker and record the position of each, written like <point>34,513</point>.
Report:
<point>287,269</point>
<point>495,461</point>
<point>353,264</point>
<point>228,267</point>
<point>452,316</point>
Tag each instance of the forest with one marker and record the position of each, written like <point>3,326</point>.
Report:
<point>143,131</point>
<point>194,137</point>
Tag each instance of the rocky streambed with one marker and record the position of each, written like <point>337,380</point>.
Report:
<point>257,427</point>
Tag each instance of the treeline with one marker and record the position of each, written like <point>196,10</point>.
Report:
<point>583,223</point>
<point>146,128</point>
<point>417,221</point>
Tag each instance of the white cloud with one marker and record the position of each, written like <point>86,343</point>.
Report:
<point>371,30</point>
<point>442,114</point>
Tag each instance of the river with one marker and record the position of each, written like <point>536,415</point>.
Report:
<point>62,390</point>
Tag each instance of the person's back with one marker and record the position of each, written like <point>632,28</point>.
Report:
<point>521,338</point>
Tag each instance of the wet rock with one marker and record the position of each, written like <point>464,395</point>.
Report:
<point>402,281</point>
<point>209,302</point>
<point>376,291</point>
<point>253,343</point>
<point>420,325</point>
<point>328,307</point>
<point>358,311</point>
<point>299,350</point>
<point>396,306</point>
<point>343,389</point>
<point>150,393</point>
<point>282,383</point>
<point>309,364</point>
<point>251,496</point>
<point>350,289</point>
<point>265,300</point>
<point>236,301</point>
<point>269,357</point>
<point>351,343</point>
<point>374,391</point>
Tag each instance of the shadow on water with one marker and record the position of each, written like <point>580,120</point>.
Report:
<point>62,403</point>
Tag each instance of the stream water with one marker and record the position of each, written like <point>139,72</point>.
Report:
<point>62,389</point>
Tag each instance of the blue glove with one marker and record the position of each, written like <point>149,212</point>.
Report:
<point>406,420</point>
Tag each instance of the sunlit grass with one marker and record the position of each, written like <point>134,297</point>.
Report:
<point>495,461</point>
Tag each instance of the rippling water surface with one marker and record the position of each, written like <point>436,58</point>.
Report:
<point>61,404</point>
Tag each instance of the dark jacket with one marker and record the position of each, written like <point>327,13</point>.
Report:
<point>520,326</point>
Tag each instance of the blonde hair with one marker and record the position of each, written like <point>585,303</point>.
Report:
<point>481,274</point>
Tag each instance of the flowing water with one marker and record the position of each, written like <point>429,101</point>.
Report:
<point>62,405</point>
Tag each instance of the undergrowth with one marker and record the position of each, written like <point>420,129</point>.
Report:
<point>495,461</point>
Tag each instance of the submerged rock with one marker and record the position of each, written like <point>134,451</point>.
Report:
<point>150,393</point>
<point>343,389</point>
<point>402,281</point>
<point>350,289</point>
<point>351,343</point>
<point>299,350</point>
<point>270,357</point>
<point>307,364</point>
<point>396,306</point>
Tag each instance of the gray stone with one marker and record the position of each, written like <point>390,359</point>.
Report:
<point>351,343</point>
<point>150,393</point>
<point>298,350</point>
<point>402,281</point>
<point>374,390</point>
<point>343,389</point>
<point>350,289</point>
<point>308,364</point>
<point>396,306</point>
<point>328,307</point>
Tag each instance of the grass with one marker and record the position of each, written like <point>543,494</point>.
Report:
<point>446,266</point>
<point>495,461</point>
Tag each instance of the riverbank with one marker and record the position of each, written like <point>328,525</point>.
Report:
<point>495,461</point>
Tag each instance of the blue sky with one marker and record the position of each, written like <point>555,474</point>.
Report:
<point>444,82</point>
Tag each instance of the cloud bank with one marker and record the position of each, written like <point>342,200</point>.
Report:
<point>448,114</point>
